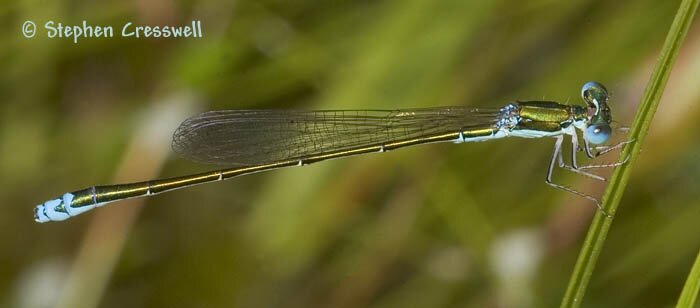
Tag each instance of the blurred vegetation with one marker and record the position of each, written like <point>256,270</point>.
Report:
<point>431,226</point>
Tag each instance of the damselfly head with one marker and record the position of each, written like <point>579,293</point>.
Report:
<point>594,90</point>
<point>598,129</point>
<point>596,96</point>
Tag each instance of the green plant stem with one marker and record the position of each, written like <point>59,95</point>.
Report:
<point>600,226</point>
<point>691,287</point>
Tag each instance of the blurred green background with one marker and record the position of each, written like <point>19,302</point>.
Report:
<point>443,225</point>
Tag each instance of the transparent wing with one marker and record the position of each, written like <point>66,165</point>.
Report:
<point>247,137</point>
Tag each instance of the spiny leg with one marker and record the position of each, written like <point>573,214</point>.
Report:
<point>587,148</point>
<point>610,165</point>
<point>548,178</point>
<point>602,150</point>
<point>605,151</point>
<point>574,165</point>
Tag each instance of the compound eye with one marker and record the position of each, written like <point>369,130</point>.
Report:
<point>597,134</point>
<point>594,93</point>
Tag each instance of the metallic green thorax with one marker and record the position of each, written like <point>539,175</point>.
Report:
<point>547,116</point>
<point>540,117</point>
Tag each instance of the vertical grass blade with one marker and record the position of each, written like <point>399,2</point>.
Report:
<point>600,226</point>
<point>691,287</point>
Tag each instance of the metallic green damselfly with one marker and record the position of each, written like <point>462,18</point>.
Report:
<point>259,140</point>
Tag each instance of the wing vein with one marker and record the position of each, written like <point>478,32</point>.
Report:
<point>248,137</point>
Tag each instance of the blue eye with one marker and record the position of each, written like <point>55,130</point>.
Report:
<point>597,134</point>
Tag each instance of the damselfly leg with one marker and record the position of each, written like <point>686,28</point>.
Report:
<point>574,165</point>
<point>602,150</point>
<point>550,170</point>
<point>599,151</point>
<point>558,159</point>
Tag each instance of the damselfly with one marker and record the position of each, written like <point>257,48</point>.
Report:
<point>259,140</point>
